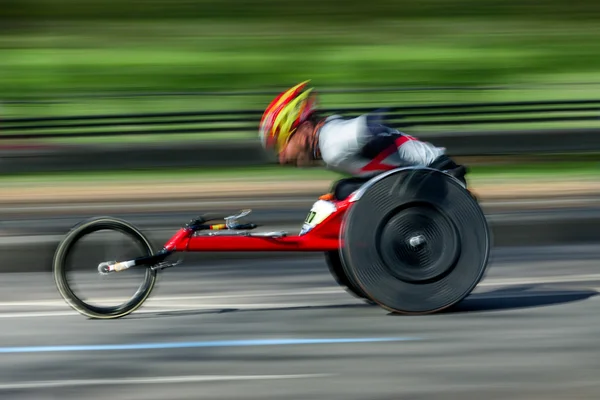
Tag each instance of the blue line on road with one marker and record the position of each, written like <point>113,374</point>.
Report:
<point>182,345</point>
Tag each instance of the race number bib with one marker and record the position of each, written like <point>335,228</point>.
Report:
<point>319,211</point>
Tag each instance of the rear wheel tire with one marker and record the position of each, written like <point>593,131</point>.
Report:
<point>334,262</point>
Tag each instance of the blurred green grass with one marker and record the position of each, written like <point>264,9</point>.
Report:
<point>162,55</point>
<point>50,48</point>
<point>200,55</point>
<point>540,171</point>
<point>137,56</point>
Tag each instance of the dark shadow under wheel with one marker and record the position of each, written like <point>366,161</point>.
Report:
<point>334,262</point>
<point>416,241</point>
<point>144,277</point>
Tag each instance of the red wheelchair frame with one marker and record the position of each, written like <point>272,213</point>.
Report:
<point>198,236</point>
<point>323,237</point>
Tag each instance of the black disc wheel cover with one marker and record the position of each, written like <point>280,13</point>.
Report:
<point>418,244</point>
<point>416,241</point>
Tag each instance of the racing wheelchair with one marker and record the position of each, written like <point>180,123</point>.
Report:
<point>412,240</point>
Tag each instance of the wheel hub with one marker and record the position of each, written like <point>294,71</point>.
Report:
<point>417,241</point>
<point>419,244</point>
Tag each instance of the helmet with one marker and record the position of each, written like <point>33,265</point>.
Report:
<point>285,113</point>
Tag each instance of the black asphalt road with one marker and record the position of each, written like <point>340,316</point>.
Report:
<point>281,329</point>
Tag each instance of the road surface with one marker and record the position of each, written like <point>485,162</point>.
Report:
<point>281,329</point>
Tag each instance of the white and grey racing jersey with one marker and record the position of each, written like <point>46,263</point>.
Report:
<point>359,148</point>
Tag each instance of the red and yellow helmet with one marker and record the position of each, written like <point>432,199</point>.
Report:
<point>285,113</point>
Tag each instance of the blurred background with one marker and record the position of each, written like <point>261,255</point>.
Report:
<point>186,73</point>
<point>148,110</point>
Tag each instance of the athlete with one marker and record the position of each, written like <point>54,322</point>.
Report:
<point>360,147</point>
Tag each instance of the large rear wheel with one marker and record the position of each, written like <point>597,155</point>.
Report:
<point>416,241</point>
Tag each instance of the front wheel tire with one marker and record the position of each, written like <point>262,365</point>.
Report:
<point>64,253</point>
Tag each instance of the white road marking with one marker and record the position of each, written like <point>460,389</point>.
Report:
<point>494,296</point>
<point>187,307</point>
<point>39,314</point>
<point>187,303</point>
<point>538,280</point>
<point>273,293</point>
<point>329,290</point>
<point>151,380</point>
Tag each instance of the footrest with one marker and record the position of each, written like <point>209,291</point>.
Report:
<point>231,223</point>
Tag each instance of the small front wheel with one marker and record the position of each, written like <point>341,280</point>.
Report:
<point>91,257</point>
